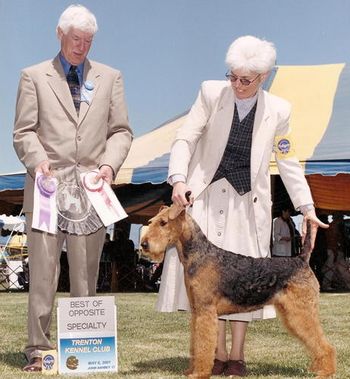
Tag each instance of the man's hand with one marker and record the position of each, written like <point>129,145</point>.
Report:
<point>315,223</point>
<point>105,173</point>
<point>44,168</point>
<point>179,194</point>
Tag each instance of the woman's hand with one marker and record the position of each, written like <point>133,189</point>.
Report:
<point>315,223</point>
<point>180,194</point>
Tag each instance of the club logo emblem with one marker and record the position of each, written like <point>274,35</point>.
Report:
<point>284,146</point>
<point>48,362</point>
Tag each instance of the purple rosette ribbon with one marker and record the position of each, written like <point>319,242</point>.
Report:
<point>47,187</point>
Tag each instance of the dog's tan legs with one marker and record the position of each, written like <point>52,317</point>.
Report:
<point>298,308</point>
<point>193,326</point>
<point>204,339</point>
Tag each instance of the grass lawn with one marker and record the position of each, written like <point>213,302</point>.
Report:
<point>155,345</point>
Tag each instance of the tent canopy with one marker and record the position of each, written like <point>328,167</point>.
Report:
<point>14,223</point>
<point>320,99</point>
<point>320,119</point>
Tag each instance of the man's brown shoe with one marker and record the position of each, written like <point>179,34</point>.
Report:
<point>34,365</point>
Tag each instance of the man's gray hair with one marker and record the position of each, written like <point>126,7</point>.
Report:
<point>78,17</point>
<point>252,54</point>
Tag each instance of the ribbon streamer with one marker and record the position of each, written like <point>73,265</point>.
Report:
<point>102,198</point>
<point>99,188</point>
<point>44,208</point>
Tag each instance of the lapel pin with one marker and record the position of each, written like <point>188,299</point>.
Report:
<point>89,85</point>
<point>86,93</point>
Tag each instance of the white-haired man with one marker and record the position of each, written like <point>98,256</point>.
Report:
<point>221,154</point>
<point>71,117</point>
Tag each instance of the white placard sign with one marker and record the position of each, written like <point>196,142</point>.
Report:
<point>102,198</point>
<point>87,335</point>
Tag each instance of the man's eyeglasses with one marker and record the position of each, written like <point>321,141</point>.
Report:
<point>245,82</point>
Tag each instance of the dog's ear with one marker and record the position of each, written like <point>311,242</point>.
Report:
<point>175,211</point>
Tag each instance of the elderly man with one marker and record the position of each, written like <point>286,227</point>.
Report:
<point>71,118</point>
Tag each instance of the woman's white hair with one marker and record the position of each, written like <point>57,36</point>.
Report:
<point>78,17</point>
<point>252,54</point>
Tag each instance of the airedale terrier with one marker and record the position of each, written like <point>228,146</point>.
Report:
<point>220,282</point>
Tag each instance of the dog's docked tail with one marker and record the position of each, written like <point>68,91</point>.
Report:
<point>307,248</point>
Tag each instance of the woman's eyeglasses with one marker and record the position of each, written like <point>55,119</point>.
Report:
<point>245,82</point>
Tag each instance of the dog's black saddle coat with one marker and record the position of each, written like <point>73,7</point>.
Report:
<point>244,280</point>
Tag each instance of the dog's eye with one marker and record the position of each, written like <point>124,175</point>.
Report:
<point>162,223</point>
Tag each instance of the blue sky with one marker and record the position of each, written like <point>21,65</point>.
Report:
<point>166,48</point>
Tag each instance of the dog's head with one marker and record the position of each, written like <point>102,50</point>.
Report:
<point>163,230</point>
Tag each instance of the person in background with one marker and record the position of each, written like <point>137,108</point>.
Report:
<point>71,118</point>
<point>336,271</point>
<point>221,155</point>
<point>284,233</point>
<point>319,254</point>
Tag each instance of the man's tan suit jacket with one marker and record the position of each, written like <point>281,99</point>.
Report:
<point>47,126</point>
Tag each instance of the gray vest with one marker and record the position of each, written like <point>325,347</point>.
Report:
<point>235,163</point>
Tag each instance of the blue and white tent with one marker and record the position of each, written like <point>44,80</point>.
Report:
<point>320,97</point>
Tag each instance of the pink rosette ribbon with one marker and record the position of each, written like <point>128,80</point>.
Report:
<point>90,185</point>
<point>47,187</point>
